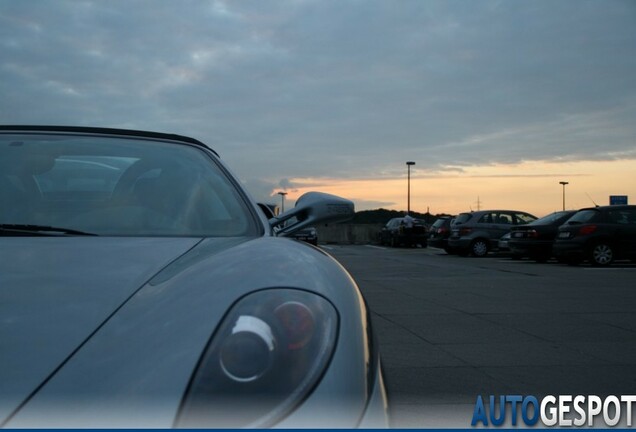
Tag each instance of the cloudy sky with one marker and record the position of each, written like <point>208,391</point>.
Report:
<point>493,99</point>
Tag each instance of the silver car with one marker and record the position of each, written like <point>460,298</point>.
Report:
<point>477,233</point>
<point>140,286</point>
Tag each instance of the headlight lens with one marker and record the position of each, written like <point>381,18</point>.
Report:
<point>265,358</point>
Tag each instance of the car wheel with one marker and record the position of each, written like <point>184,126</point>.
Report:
<point>601,254</point>
<point>479,248</point>
<point>516,257</point>
<point>393,242</point>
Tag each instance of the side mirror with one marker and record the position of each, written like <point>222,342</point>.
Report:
<point>313,208</point>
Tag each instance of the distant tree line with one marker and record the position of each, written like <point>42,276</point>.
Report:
<point>382,216</point>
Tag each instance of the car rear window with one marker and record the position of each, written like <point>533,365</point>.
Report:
<point>584,216</point>
<point>551,218</point>
<point>463,218</point>
<point>438,223</point>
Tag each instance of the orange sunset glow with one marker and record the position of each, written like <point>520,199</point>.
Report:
<point>530,186</point>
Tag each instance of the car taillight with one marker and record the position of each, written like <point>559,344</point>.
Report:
<point>441,230</point>
<point>588,229</point>
<point>464,231</point>
<point>532,233</point>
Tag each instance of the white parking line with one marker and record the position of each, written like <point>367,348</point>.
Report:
<point>376,247</point>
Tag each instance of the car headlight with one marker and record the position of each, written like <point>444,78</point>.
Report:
<point>266,357</point>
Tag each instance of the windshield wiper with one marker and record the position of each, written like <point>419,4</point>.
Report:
<point>22,229</point>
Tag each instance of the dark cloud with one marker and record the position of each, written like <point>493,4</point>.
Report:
<point>287,185</point>
<point>332,88</point>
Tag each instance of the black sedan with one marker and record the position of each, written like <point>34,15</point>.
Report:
<point>599,235</point>
<point>535,239</point>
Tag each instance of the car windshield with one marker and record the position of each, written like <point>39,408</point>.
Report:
<point>551,218</point>
<point>117,186</point>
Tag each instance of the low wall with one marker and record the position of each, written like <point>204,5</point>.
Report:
<point>349,233</point>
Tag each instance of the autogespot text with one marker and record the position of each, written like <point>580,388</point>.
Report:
<point>559,411</point>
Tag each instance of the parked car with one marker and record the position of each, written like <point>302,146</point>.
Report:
<point>599,235</point>
<point>395,233</point>
<point>439,232</point>
<point>309,235</point>
<point>141,287</point>
<point>477,233</point>
<point>535,239</point>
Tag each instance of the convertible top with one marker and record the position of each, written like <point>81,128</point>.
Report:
<point>105,131</point>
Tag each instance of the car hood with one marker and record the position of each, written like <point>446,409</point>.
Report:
<point>101,332</point>
<point>55,292</point>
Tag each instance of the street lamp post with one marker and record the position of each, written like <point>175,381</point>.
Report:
<point>563,183</point>
<point>408,193</point>
<point>282,201</point>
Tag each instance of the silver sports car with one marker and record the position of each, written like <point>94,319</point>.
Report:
<point>140,286</point>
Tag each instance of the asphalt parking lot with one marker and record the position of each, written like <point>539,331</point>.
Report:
<point>452,328</point>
